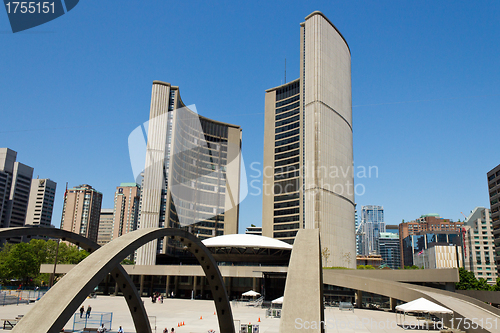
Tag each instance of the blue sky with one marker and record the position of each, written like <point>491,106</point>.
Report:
<point>425,79</point>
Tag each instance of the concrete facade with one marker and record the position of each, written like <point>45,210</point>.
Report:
<point>308,156</point>
<point>81,211</point>
<point>41,202</point>
<point>15,186</point>
<point>304,284</point>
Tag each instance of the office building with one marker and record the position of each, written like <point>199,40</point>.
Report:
<point>126,209</point>
<point>479,246</point>
<point>419,241</point>
<point>81,211</point>
<point>15,186</point>
<point>430,223</point>
<point>390,250</point>
<point>191,175</point>
<point>369,229</point>
<point>308,156</point>
<point>439,256</point>
<point>41,203</point>
<point>494,194</point>
<point>105,233</point>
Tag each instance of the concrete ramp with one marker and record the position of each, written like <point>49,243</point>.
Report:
<point>466,308</point>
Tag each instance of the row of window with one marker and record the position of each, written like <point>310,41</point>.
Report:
<point>287,121</point>
<point>286,211</point>
<point>287,141</point>
<point>285,234</point>
<point>288,101</point>
<point>286,128</point>
<point>286,226</point>
<point>287,197</point>
<point>287,161</point>
<point>285,219</point>
<point>287,154</point>
<point>287,114</point>
<point>286,204</point>
<point>287,148</point>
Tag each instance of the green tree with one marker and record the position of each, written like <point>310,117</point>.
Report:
<point>467,280</point>
<point>22,263</point>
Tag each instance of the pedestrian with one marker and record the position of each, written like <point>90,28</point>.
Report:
<point>120,330</point>
<point>89,309</point>
<point>165,330</point>
<point>101,329</point>
<point>173,331</point>
<point>82,310</point>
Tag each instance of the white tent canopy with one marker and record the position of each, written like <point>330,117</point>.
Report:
<point>251,293</point>
<point>278,300</point>
<point>421,305</point>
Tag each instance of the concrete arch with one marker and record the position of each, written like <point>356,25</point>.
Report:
<point>463,306</point>
<point>66,296</point>
<point>134,302</point>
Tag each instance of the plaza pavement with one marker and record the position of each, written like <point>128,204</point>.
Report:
<point>173,311</point>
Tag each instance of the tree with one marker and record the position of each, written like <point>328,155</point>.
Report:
<point>467,280</point>
<point>22,263</point>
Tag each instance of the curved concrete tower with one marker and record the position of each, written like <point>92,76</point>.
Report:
<point>308,155</point>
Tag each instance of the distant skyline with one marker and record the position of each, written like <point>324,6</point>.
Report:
<point>425,78</point>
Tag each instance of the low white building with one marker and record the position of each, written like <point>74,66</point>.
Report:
<point>439,256</point>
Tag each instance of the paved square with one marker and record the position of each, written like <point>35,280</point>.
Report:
<point>198,316</point>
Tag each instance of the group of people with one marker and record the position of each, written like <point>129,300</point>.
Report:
<point>156,296</point>
<point>166,330</point>
<point>82,310</point>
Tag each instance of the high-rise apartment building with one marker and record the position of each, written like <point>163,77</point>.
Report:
<point>308,156</point>
<point>41,202</point>
<point>191,175</point>
<point>494,194</point>
<point>126,209</point>
<point>105,233</point>
<point>390,250</point>
<point>479,245</point>
<point>369,229</point>
<point>15,185</point>
<point>81,211</point>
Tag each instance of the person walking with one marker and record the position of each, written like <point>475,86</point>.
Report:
<point>120,330</point>
<point>82,310</point>
<point>89,309</point>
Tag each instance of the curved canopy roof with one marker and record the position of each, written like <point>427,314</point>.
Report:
<point>422,305</point>
<point>245,240</point>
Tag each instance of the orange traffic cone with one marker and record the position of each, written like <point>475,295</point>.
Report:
<point>201,317</point>
<point>214,313</point>
<point>258,320</point>
<point>178,324</point>
<point>183,323</point>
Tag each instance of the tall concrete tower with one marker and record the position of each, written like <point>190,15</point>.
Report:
<point>308,156</point>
